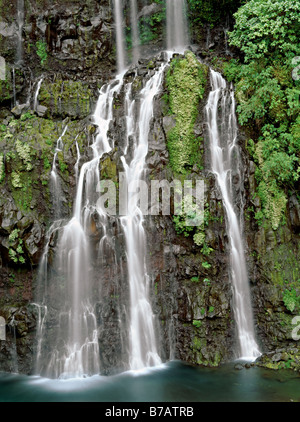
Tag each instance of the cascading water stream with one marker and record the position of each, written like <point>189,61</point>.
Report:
<point>14,354</point>
<point>222,132</point>
<point>76,167</point>
<point>142,338</point>
<point>75,348</point>
<point>135,39</point>
<point>20,22</point>
<point>177,28</point>
<point>14,86</point>
<point>36,94</point>
<point>68,286</point>
<point>89,174</point>
<point>54,178</point>
<point>119,36</point>
<point>208,36</point>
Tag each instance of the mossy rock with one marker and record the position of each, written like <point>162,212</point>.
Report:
<point>203,354</point>
<point>186,81</point>
<point>66,98</point>
<point>28,146</point>
<point>108,169</point>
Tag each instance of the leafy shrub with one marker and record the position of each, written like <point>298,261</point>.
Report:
<point>266,32</point>
<point>15,251</point>
<point>197,323</point>
<point>290,299</point>
<point>41,51</point>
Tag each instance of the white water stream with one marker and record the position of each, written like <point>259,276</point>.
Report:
<point>36,93</point>
<point>142,336</point>
<point>76,352</point>
<point>20,24</point>
<point>222,131</point>
<point>54,177</point>
<point>177,27</point>
<point>135,38</point>
<point>120,44</point>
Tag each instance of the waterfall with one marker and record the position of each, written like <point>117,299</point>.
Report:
<point>226,29</point>
<point>14,86</point>
<point>76,167</point>
<point>134,31</point>
<point>119,36</point>
<point>89,173</point>
<point>225,160</point>
<point>67,284</point>
<point>65,269</point>
<point>142,338</point>
<point>208,36</point>
<point>177,28</point>
<point>14,353</point>
<point>69,308</point>
<point>20,23</point>
<point>54,178</point>
<point>227,52</point>
<point>36,94</point>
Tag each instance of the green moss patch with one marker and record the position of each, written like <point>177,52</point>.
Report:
<point>186,81</point>
<point>66,98</point>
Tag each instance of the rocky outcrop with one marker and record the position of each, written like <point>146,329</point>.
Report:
<point>67,36</point>
<point>276,291</point>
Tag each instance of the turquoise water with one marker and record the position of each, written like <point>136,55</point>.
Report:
<point>172,382</point>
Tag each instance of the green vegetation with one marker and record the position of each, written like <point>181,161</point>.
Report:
<point>207,281</point>
<point>199,238</point>
<point>267,33</point>
<point>206,250</point>
<point>150,26</point>
<point>16,252</point>
<point>23,150</point>
<point>209,357</point>
<point>65,97</point>
<point>267,29</point>
<point>16,180</point>
<point>186,80</point>
<point>290,299</point>
<point>29,144</point>
<point>197,231</point>
<point>286,360</point>
<point>210,11</point>
<point>181,227</point>
<point>195,279</point>
<point>41,51</point>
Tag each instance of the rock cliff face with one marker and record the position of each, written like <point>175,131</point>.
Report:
<point>69,49</point>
